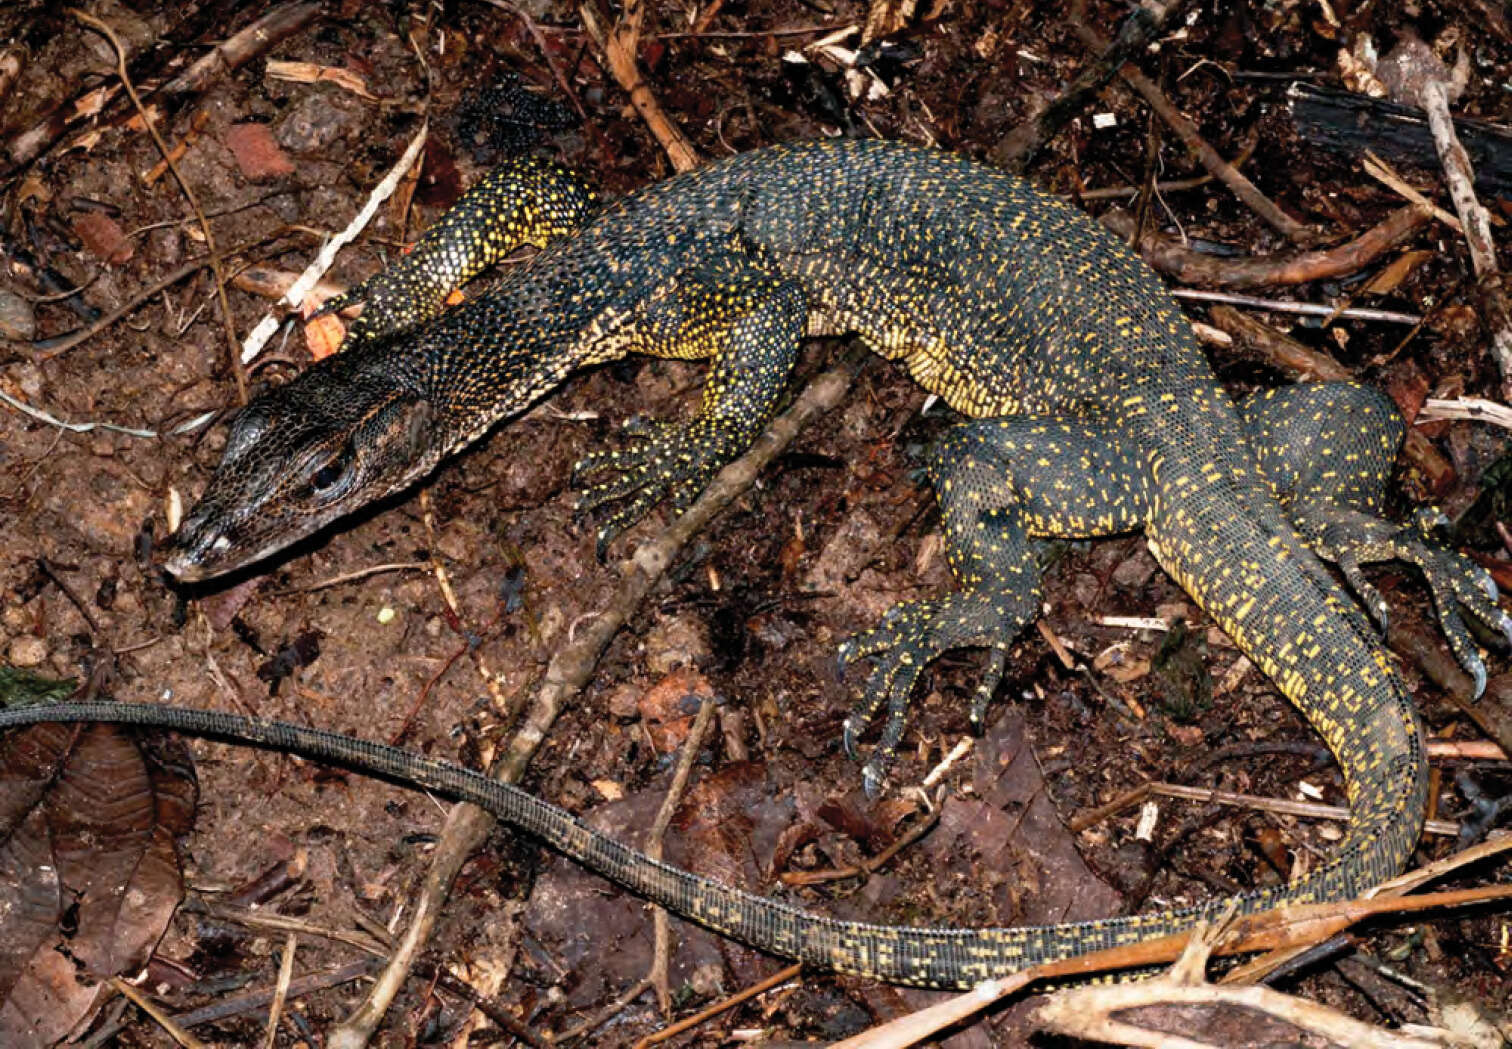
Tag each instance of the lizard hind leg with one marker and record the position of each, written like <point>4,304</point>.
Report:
<point>1328,449</point>
<point>1001,484</point>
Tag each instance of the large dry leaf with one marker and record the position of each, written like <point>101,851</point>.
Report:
<point>89,874</point>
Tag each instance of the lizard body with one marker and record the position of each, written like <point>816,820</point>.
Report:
<point>1096,414</point>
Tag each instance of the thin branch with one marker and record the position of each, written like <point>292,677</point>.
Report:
<point>1185,264</point>
<point>1209,157</point>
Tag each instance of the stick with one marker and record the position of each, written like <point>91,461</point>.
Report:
<point>619,47</point>
<point>1311,309</point>
<point>242,46</point>
<point>265,328</point>
<point>1189,266</point>
<point>467,826</point>
<point>1021,144</point>
<point>1209,157</point>
<point>662,948</point>
<point>1413,73</point>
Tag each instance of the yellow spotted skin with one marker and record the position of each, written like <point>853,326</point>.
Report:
<point>523,201</point>
<point>1096,414</point>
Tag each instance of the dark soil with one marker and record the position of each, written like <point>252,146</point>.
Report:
<point>836,533</point>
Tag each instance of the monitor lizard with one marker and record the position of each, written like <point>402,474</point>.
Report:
<point>1094,414</point>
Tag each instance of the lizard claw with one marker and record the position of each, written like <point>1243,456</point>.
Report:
<point>849,734</point>
<point>872,780</point>
<point>1478,671</point>
<point>1488,584</point>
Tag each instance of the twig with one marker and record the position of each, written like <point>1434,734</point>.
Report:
<point>1466,750</point>
<point>871,865</point>
<point>747,34</point>
<point>74,599</point>
<point>244,45</point>
<point>467,826</point>
<point>619,46</point>
<point>1283,806</point>
<point>53,420</point>
<point>59,345</point>
<point>1385,174</point>
<point>213,253</point>
<point>1189,266</point>
<point>1174,185</point>
<point>162,1019</point>
<point>1209,157</point>
<point>1476,409</point>
<point>1277,348</point>
<point>354,576</point>
<point>777,979</point>
<point>1021,144</point>
<point>264,329</point>
<point>604,1015</point>
<point>280,990</point>
<point>1415,75</point>
<point>662,950</point>
<point>1310,309</point>
<point>1107,1012</point>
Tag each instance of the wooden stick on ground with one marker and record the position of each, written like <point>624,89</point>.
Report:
<point>1209,157</point>
<point>1414,74</point>
<point>662,951</point>
<point>619,45</point>
<point>467,826</point>
<point>1188,266</point>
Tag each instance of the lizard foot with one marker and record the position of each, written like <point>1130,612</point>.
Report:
<point>663,461</point>
<point>1458,586</point>
<point>912,635</point>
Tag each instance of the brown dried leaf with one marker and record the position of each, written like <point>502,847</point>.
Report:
<point>1118,663</point>
<point>1387,281</point>
<point>89,875</point>
<point>310,73</point>
<point>323,335</point>
<point>103,237</point>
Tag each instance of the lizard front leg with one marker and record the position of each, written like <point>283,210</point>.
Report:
<point>524,201</point>
<point>750,324</point>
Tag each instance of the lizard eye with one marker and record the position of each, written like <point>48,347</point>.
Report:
<point>330,477</point>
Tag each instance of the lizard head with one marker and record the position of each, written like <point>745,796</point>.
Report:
<point>299,457</point>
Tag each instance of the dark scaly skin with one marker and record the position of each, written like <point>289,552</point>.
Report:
<point>1099,415</point>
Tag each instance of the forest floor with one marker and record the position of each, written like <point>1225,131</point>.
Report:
<point>353,632</point>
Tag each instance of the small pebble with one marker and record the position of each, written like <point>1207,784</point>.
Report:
<point>386,616</point>
<point>17,319</point>
<point>27,651</point>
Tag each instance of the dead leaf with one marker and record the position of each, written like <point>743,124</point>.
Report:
<point>1118,663</point>
<point>89,872</point>
<point>1386,282</point>
<point>310,73</point>
<point>323,335</point>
